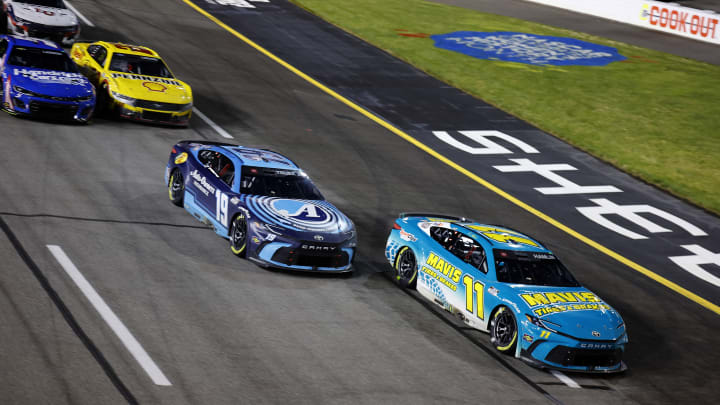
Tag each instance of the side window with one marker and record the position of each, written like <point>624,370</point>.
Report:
<point>99,53</point>
<point>461,246</point>
<point>226,170</point>
<point>219,164</point>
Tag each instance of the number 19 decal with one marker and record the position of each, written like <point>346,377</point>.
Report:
<point>221,207</point>
<point>471,290</point>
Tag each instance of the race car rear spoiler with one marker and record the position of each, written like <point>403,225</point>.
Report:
<point>206,142</point>
<point>443,216</point>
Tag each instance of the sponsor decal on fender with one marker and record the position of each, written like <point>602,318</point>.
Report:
<point>181,158</point>
<point>407,236</point>
<point>201,183</point>
<point>447,269</point>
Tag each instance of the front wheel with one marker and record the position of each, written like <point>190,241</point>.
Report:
<point>176,188</point>
<point>238,235</point>
<point>503,330</point>
<point>405,268</point>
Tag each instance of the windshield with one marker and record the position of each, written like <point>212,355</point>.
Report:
<point>278,183</point>
<point>36,58</point>
<point>139,65</point>
<point>46,3</point>
<point>531,268</point>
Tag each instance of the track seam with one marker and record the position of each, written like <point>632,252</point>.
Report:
<point>67,315</point>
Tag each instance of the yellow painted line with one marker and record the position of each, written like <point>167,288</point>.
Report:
<point>622,259</point>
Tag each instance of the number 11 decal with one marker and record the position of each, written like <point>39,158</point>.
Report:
<point>221,207</point>
<point>472,289</point>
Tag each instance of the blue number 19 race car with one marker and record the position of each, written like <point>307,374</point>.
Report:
<point>263,203</point>
<point>500,281</point>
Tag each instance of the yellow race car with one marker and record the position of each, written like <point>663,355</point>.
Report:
<point>134,82</point>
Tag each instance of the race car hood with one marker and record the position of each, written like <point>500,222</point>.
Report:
<point>304,218</point>
<point>151,88</point>
<point>44,15</point>
<point>51,83</point>
<point>578,312</point>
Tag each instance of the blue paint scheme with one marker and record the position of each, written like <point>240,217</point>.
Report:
<point>527,48</point>
<point>575,318</point>
<point>67,95</point>
<point>304,227</point>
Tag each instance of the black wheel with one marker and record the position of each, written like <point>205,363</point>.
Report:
<point>3,23</point>
<point>238,235</point>
<point>405,274</point>
<point>503,330</point>
<point>176,187</point>
<point>102,100</point>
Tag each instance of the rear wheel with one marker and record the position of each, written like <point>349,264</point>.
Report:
<point>176,187</point>
<point>503,330</point>
<point>405,268</point>
<point>238,235</point>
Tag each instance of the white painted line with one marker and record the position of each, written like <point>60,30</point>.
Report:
<point>77,13</point>
<point>109,316</point>
<point>567,380</point>
<point>212,124</point>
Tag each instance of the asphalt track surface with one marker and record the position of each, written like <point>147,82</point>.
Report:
<point>629,34</point>
<point>226,331</point>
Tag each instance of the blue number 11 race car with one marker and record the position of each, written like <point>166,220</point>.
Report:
<point>263,203</point>
<point>500,281</point>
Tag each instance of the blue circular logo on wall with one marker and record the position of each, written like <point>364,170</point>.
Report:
<point>527,48</point>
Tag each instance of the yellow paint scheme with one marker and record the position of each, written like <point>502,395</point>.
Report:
<point>138,87</point>
<point>503,235</point>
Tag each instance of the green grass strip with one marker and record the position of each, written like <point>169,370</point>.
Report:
<point>656,116</point>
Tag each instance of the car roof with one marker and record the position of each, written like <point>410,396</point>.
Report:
<point>488,235</point>
<point>32,43</point>
<point>501,237</point>
<point>120,47</point>
<point>260,157</point>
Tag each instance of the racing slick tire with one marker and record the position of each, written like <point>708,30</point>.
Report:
<point>405,269</point>
<point>503,330</point>
<point>238,235</point>
<point>102,101</point>
<point>176,187</point>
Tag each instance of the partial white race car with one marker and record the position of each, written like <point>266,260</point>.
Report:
<point>48,19</point>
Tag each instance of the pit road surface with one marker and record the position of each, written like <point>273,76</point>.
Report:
<point>226,331</point>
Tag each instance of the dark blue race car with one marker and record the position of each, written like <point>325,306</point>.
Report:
<point>261,201</point>
<point>40,79</point>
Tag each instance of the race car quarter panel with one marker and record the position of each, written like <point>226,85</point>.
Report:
<point>501,281</point>
<point>134,82</point>
<point>39,79</point>
<point>287,222</point>
<point>45,19</point>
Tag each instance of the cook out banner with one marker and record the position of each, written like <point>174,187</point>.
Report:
<point>687,22</point>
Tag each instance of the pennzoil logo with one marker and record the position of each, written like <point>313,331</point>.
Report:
<point>145,78</point>
<point>156,87</point>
